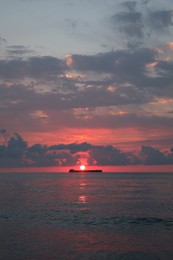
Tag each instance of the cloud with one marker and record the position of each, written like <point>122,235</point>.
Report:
<point>74,147</point>
<point>161,20</point>
<point>108,155</point>
<point>97,106</point>
<point>152,156</point>
<point>126,88</point>
<point>16,153</point>
<point>142,22</point>
<point>130,23</point>
<point>130,67</point>
<point>18,50</point>
<point>16,147</point>
<point>116,92</point>
<point>121,63</point>
<point>116,69</point>
<point>3,41</point>
<point>12,154</point>
<point>37,155</point>
<point>34,67</point>
<point>130,5</point>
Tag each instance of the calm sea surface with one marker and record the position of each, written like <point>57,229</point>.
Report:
<point>86,216</point>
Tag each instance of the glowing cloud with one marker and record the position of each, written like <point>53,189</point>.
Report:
<point>69,60</point>
<point>170,45</point>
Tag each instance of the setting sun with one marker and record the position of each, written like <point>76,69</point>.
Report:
<point>82,167</point>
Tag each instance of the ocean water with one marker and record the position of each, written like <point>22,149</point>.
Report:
<point>86,216</point>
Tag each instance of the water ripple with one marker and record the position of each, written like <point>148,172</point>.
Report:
<point>56,217</point>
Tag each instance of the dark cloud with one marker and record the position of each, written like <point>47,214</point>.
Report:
<point>13,153</point>
<point>123,67</point>
<point>34,67</point>
<point>18,50</point>
<point>130,23</point>
<point>103,62</point>
<point>165,69</point>
<point>139,21</point>
<point>30,96</point>
<point>16,147</point>
<point>121,63</point>
<point>108,155</point>
<point>152,156</point>
<point>3,41</point>
<point>130,5</point>
<point>45,66</point>
<point>131,67</point>
<point>161,20</point>
<point>17,154</point>
<point>37,155</point>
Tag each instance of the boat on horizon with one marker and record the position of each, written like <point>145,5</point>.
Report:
<point>74,170</point>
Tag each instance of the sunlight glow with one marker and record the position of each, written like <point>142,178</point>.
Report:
<point>82,167</point>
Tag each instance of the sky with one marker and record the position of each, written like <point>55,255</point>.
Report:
<point>86,81</point>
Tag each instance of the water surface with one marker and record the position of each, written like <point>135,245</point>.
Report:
<point>85,216</point>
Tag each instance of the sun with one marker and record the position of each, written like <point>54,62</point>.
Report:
<point>82,167</point>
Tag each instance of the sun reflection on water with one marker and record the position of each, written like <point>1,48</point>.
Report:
<point>82,199</point>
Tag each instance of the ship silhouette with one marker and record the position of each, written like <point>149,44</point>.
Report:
<point>74,170</point>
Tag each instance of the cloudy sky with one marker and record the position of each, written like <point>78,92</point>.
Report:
<point>91,74</point>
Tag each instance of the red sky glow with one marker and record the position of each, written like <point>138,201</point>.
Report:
<point>71,85</point>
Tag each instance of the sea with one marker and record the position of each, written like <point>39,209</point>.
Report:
<point>90,216</point>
